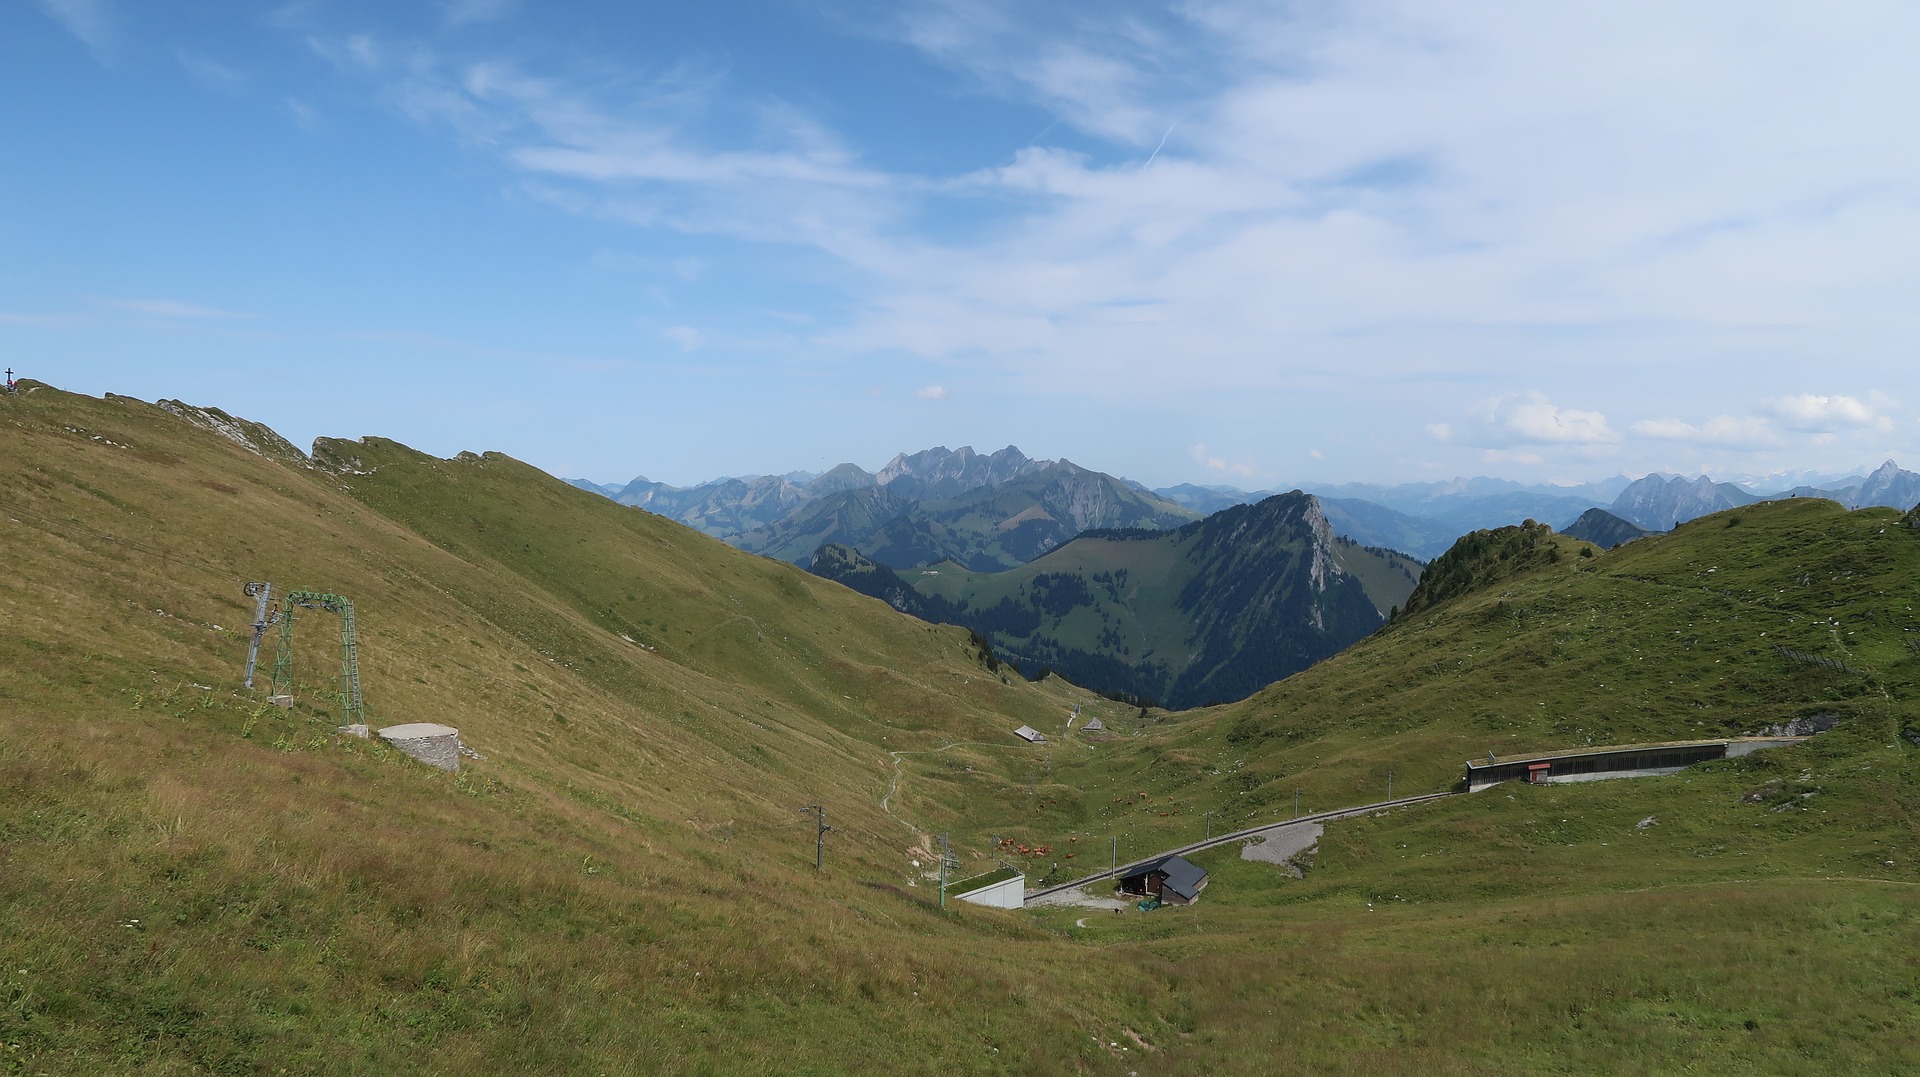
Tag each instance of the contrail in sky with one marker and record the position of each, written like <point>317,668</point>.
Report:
<point>1163,143</point>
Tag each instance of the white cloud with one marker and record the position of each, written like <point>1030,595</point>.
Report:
<point>687,337</point>
<point>1402,194</point>
<point>933,392</point>
<point>1205,459</point>
<point>1723,430</point>
<point>1812,413</point>
<point>1339,172</point>
<point>626,151</point>
<point>1530,417</point>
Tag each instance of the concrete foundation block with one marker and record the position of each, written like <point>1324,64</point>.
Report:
<point>434,745</point>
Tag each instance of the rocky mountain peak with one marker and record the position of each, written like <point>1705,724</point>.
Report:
<point>1889,485</point>
<point>941,472</point>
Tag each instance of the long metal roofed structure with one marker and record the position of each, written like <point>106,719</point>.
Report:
<point>1640,761</point>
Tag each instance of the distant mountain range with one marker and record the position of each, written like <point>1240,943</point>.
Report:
<point>1888,486</point>
<point>1432,514</point>
<point>1207,612</point>
<point>987,527</point>
<point>1001,509</point>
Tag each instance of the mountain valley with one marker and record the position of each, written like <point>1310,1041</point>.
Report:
<point>624,880</point>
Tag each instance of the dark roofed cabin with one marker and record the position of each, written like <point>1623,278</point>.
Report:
<point>1175,880</point>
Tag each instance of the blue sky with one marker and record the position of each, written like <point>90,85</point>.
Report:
<point>1242,241</point>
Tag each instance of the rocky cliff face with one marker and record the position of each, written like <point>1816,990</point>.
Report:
<point>942,473</point>
<point>1270,596</point>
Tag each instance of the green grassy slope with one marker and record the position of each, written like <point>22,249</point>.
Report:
<point>190,882</point>
<point>194,882</point>
<point>1670,638</point>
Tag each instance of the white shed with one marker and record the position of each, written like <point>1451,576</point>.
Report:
<point>1028,733</point>
<point>1003,889</point>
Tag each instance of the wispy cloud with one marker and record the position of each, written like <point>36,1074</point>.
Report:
<point>1731,431</point>
<point>625,151</point>
<point>305,116</point>
<point>1206,459</point>
<point>42,320</point>
<point>167,308</point>
<point>89,20</point>
<point>687,337</point>
<point>1814,413</point>
<point>1401,198</point>
<point>210,74</point>
<point>1531,418</point>
<point>1102,76</point>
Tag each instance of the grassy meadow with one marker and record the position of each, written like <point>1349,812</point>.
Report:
<point>192,882</point>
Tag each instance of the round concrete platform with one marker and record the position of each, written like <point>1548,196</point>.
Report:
<point>433,744</point>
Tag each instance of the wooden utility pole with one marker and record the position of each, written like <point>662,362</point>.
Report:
<point>820,834</point>
<point>946,853</point>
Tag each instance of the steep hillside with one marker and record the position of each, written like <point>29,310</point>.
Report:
<point>1208,612</point>
<point>193,881</point>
